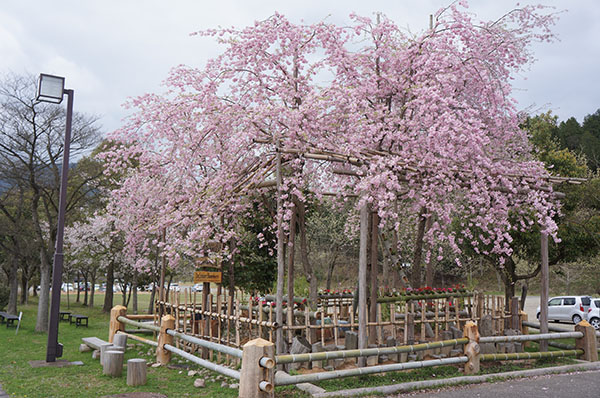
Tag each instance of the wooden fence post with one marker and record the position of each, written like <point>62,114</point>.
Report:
<point>514,313</point>
<point>588,342</point>
<point>523,317</point>
<point>472,348</point>
<point>115,324</point>
<point>253,374</point>
<point>163,356</point>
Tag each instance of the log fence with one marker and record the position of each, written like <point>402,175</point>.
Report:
<point>258,359</point>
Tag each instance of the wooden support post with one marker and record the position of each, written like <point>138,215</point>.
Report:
<point>544,290</point>
<point>163,356</point>
<point>524,329</point>
<point>373,274</point>
<point>136,372</point>
<point>514,313</point>
<point>253,374</point>
<point>409,330</point>
<point>362,281</point>
<point>113,363</point>
<point>115,324</point>
<point>587,343</point>
<point>480,305</point>
<point>471,348</point>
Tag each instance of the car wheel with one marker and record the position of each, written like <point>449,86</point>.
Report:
<point>595,322</point>
<point>538,316</point>
<point>576,319</point>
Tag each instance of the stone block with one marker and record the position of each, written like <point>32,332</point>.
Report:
<point>485,326</point>
<point>351,341</point>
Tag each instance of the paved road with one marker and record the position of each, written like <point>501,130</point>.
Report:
<point>574,385</point>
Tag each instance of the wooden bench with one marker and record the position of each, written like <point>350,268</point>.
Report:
<point>8,318</point>
<point>78,320</point>
<point>94,342</point>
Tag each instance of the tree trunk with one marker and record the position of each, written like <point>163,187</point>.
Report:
<point>14,286</point>
<point>41,324</point>
<point>85,292</point>
<point>134,292</point>
<point>308,269</point>
<point>78,286</point>
<point>92,289</point>
<point>24,287</point>
<point>152,296</point>
<point>291,248</point>
<point>429,268</point>
<point>330,268</point>
<point>418,252</point>
<point>109,294</point>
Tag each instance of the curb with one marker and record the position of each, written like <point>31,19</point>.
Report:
<point>416,385</point>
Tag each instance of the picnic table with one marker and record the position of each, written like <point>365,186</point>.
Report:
<point>78,320</point>
<point>65,316</point>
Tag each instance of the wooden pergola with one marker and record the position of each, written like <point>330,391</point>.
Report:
<point>264,169</point>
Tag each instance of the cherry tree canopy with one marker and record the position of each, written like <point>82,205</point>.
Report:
<point>423,120</point>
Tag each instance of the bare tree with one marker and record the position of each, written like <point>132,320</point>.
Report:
<point>31,147</point>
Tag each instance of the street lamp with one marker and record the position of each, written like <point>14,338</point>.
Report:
<point>52,89</point>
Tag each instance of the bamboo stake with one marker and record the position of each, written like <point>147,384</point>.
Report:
<point>177,316</point>
<point>307,324</point>
<point>423,309</point>
<point>457,311</point>
<point>335,323</point>
<point>447,314</point>
<point>322,329</point>
<point>237,324</point>
<point>271,322</point>
<point>393,320</point>
<point>405,323</point>
<point>437,320</point>
<point>260,319</point>
<point>380,328</point>
<point>219,323</point>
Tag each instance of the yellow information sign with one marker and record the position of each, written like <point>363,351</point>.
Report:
<point>208,276</point>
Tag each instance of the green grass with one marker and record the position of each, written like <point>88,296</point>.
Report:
<point>19,379</point>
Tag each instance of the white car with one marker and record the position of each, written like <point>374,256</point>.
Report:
<point>567,308</point>
<point>593,315</point>
<point>197,287</point>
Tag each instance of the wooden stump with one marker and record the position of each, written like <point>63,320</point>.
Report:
<point>120,341</point>
<point>113,363</point>
<point>103,349</point>
<point>472,348</point>
<point>252,373</point>
<point>136,372</point>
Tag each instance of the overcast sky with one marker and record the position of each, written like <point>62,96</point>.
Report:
<point>110,50</point>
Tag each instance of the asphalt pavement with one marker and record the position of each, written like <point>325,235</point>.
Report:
<point>572,385</point>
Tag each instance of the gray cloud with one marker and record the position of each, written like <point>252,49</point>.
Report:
<point>111,50</point>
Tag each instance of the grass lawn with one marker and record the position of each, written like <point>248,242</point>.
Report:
<point>19,379</point>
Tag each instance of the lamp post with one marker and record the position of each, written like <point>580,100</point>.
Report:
<point>52,89</point>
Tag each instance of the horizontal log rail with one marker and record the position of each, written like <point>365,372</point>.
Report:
<point>141,325</point>
<point>414,297</point>
<point>284,379</point>
<point>530,355</point>
<point>204,363</point>
<point>268,324</point>
<point>141,316</point>
<point>140,339</point>
<point>530,337</point>
<point>318,356</point>
<point>206,344</point>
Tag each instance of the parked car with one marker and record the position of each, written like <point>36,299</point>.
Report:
<point>567,308</point>
<point>593,314</point>
<point>197,287</point>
